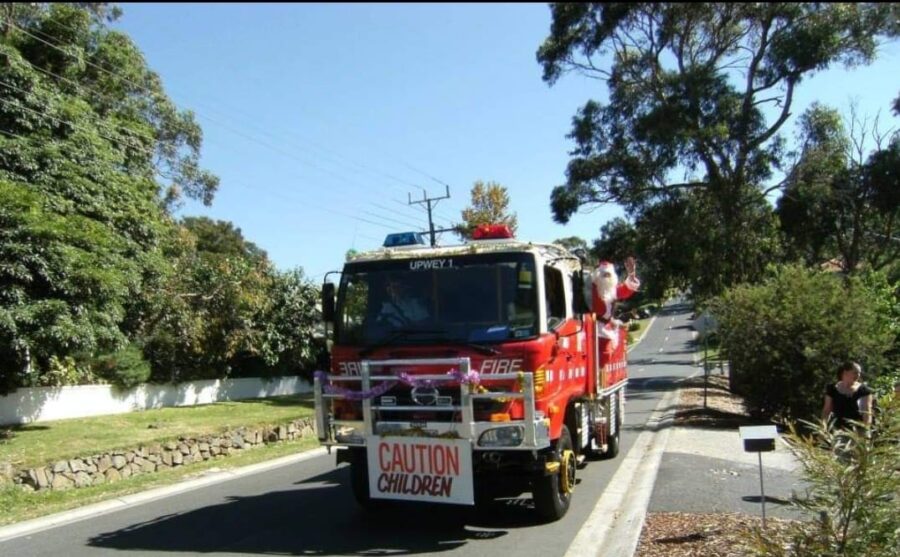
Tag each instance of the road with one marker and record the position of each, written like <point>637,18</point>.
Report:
<point>307,508</point>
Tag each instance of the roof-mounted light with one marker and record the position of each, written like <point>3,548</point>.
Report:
<point>492,232</point>
<point>398,239</point>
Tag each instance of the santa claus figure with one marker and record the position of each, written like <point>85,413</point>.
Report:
<point>606,291</point>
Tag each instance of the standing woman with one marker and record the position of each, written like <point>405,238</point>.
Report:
<point>848,399</point>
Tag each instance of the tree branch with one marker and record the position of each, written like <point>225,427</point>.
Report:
<point>785,114</point>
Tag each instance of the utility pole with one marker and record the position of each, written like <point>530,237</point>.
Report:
<point>431,202</point>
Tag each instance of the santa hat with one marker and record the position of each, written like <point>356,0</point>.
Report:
<point>606,267</point>
<point>603,268</point>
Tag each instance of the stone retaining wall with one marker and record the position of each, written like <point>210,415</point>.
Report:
<point>147,459</point>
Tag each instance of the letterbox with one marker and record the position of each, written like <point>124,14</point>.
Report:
<point>759,438</point>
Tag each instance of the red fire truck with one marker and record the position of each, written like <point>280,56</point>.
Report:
<point>464,373</point>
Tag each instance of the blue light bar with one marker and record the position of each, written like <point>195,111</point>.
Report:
<point>404,239</point>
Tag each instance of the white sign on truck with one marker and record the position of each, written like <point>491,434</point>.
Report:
<point>435,470</point>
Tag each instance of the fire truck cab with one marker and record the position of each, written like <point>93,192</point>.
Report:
<point>464,373</point>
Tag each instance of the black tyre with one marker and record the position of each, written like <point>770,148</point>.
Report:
<point>359,478</point>
<point>552,493</point>
<point>612,441</point>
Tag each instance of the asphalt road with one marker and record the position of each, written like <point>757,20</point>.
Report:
<point>307,508</point>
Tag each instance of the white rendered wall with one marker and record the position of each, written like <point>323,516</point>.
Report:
<point>58,403</point>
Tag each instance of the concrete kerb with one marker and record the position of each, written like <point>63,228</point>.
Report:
<point>614,526</point>
<point>119,503</point>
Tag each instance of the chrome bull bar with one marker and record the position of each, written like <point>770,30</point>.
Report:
<point>536,434</point>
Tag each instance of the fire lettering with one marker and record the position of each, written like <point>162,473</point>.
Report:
<point>349,368</point>
<point>502,366</point>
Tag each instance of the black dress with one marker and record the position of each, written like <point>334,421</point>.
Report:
<point>846,407</point>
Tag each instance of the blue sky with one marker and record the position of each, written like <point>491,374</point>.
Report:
<point>320,120</point>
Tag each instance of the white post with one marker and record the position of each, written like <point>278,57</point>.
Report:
<point>762,490</point>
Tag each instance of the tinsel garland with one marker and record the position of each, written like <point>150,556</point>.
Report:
<point>471,378</point>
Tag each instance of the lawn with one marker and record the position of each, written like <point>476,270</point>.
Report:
<point>635,335</point>
<point>38,444</point>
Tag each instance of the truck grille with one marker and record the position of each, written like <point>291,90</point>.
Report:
<point>435,404</point>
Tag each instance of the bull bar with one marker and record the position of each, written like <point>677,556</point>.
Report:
<point>535,426</point>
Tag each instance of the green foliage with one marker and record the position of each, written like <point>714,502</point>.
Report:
<point>838,203</point>
<point>93,156</point>
<point>490,205</point>
<point>293,338</point>
<point>686,86</point>
<point>65,282</point>
<point>885,298</point>
<point>618,240</point>
<point>221,237</point>
<point>65,371</point>
<point>785,337</point>
<point>852,491</point>
<point>126,368</point>
<point>88,160</point>
<point>575,243</point>
<point>227,312</point>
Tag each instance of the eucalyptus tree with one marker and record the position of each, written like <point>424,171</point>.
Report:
<point>697,95</point>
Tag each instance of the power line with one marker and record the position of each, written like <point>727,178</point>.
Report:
<point>157,95</point>
<point>257,190</point>
<point>233,110</point>
<point>77,126</point>
<point>140,147</point>
<point>430,202</point>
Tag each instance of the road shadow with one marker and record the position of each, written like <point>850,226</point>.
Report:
<point>304,400</point>
<point>320,517</point>
<point>657,361</point>
<point>769,499</point>
<point>662,383</point>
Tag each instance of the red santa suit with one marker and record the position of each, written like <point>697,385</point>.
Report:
<point>605,292</point>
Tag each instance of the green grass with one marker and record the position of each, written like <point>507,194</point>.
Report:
<point>38,444</point>
<point>17,505</point>
<point>634,336</point>
<point>714,357</point>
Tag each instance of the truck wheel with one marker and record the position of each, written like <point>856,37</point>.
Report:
<point>553,493</point>
<point>359,478</point>
<point>612,441</point>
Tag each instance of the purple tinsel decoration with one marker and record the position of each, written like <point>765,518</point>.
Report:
<point>471,378</point>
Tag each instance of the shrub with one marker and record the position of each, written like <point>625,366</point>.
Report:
<point>851,495</point>
<point>61,372</point>
<point>125,368</point>
<point>785,337</point>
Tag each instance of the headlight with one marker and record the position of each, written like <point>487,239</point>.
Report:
<point>349,435</point>
<point>509,436</point>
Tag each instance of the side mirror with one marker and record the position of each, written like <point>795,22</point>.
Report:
<point>328,302</point>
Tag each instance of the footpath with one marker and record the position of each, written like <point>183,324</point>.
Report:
<point>707,487</point>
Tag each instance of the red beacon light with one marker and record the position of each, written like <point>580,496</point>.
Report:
<point>492,232</point>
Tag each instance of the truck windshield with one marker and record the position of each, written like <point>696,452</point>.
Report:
<point>479,298</point>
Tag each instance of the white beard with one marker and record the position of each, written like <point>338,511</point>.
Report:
<point>606,288</point>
